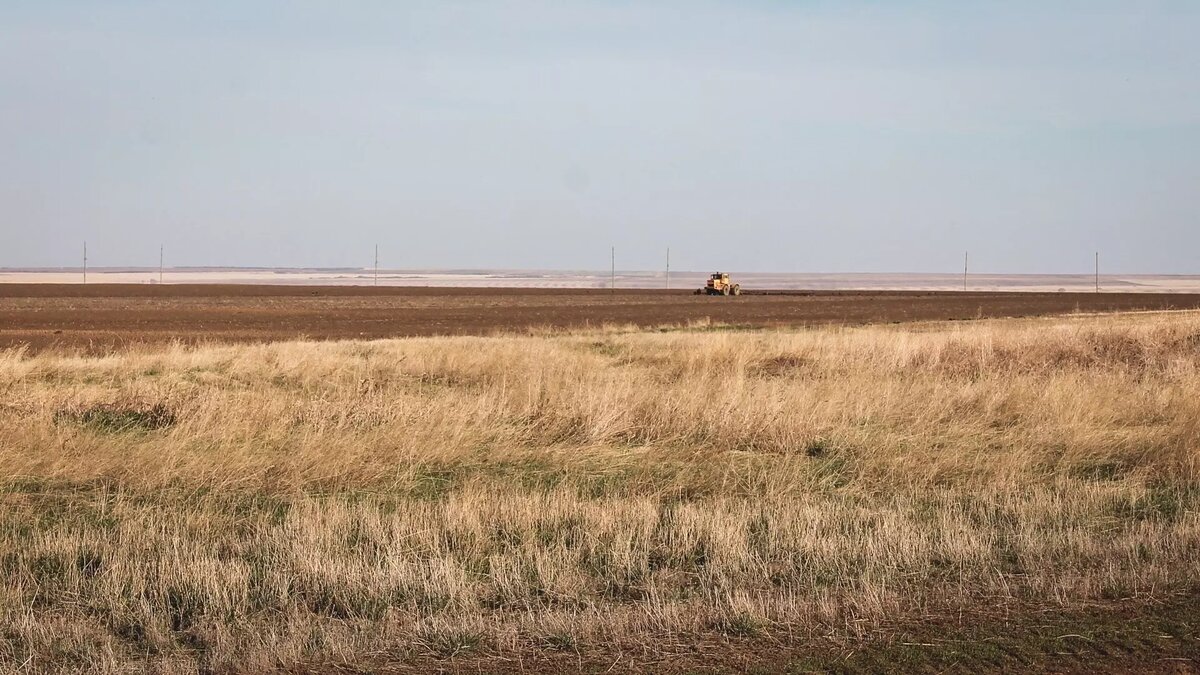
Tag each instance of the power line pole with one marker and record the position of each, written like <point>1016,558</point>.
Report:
<point>85,262</point>
<point>1097,271</point>
<point>160,263</point>
<point>376,264</point>
<point>966,261</point>
<point>612,279</point>
<point>668,268</point>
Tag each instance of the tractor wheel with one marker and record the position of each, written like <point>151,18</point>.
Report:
<point>725,290</point>
<point>737,290</point>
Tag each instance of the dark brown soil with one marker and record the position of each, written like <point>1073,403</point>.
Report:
<point>104,316</point>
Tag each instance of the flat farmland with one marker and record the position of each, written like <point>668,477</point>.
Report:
<point>101,317</point>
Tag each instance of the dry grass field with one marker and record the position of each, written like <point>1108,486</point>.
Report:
<point>678,499</point>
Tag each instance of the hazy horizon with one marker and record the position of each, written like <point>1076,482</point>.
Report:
<point>771,137</point>
<point>148,268</point>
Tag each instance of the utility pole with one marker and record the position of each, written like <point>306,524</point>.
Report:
<point>612,279</point>
<point>668,268</point>
<point>1097,271</point>
<point>376,264</point>
<point>966,261</point>
<point>85,262</point>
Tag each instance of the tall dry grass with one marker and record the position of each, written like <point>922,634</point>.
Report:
<point>269,505</point>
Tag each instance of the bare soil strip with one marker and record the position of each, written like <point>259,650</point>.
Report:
<point>102,317</point>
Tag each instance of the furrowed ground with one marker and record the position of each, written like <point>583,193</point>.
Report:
<point>100,317</point>
<point>1003,494</point>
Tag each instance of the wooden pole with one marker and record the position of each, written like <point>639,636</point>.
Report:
<point>376,264</point>
<point>1097,271</point>
<point>668,268</point>
<point>612,279</point>
<point>160,263</point>
<point>966,261</point>
<point>85,262</point>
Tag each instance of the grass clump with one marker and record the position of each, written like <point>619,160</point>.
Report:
<point>445,642</point>
<point>560,642</point>
<point>739,625</point>
<point>116,418</point>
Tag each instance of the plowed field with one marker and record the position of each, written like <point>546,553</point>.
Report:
<point>101,317</point>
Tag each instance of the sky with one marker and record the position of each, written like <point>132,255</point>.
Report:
<point>757,136</point>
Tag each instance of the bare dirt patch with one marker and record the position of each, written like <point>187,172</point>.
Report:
<point>105,316</point>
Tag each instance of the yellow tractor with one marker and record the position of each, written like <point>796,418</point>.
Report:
<point>719,284</point>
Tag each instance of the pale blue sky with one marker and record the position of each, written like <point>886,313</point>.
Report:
<point>755,136</point>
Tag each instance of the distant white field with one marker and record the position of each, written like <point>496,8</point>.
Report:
<point>626,279</point>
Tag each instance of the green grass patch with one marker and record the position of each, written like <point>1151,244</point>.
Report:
<point>113,418</point>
